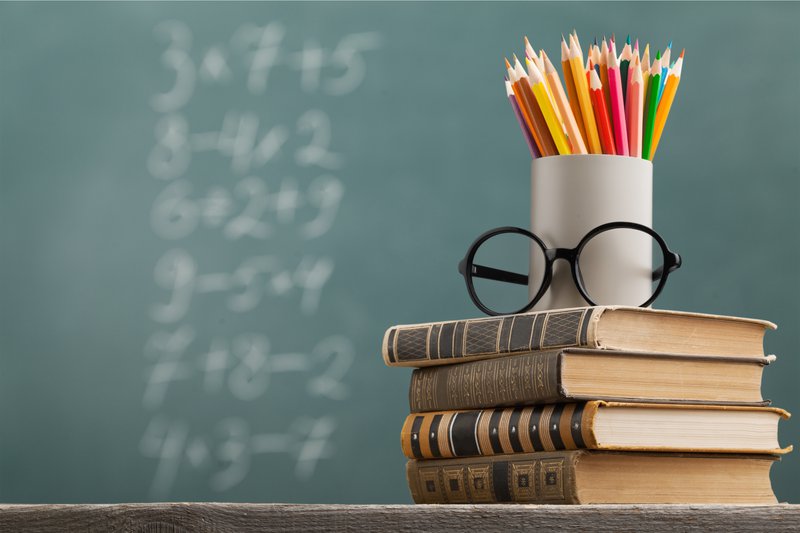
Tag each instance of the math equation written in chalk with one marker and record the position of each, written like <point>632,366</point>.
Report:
<point>233,175</point>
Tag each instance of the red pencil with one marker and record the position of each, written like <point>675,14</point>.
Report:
<point>600,114</point>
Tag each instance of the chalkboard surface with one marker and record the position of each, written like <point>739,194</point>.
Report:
<point>210,213</point>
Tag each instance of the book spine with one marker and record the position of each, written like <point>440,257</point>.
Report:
<point>544,428</point>
<point>525,478</point>
<point>521,379</point>
<point>481,338</point>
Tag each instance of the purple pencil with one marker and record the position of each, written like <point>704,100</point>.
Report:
<point>521,120</point>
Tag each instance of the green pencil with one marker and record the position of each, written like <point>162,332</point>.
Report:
<point>652,105</point>
<point>624,63</point>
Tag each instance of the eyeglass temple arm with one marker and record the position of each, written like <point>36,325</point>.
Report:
<point>485,272</point>
<point>675,262</point>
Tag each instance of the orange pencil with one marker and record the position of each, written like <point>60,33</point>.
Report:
<point>572,92</point>
<point>538,121</point>
<point>584,99</point>
<point>664,105</point>
<point>599,105</point>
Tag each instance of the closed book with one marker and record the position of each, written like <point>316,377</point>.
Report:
<point>579,374</point>
<point>586,477</point>
<point>605,328</point>
<point>596,425</point>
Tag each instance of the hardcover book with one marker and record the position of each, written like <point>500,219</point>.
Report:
<point>587,477</point>
<point>596,425</point>
<point>605,328</point>
<point>579,374</point>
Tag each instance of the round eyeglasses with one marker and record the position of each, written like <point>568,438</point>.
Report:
<point>502,260</point>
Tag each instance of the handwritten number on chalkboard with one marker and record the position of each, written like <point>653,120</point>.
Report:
<point>166,350</point>
<point>175,57</point>
<point>262,47</point>
<point>250,378</point>
<point>338,354</point>
<point>325,193</point>
<point>174,215</point>
<point>348,56</point>
<point>248,222</point>
<point>170,157</point>
<point>316,153</point>
<point>234,451</point>
<point>174,272</point>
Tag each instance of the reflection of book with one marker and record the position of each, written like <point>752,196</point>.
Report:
<point>594,425</point>
<point>579,374</point>
<point>593,477</point>
<point>605,328</point>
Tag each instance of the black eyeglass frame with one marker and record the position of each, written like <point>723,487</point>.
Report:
<point>468,269</point>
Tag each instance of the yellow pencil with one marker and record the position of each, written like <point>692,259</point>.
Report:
<point>553,124</point>
<point>664,105</point>
<point>570,123</point>
<point>582,88</point>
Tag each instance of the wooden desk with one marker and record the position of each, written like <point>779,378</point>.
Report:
<point>202,517</point>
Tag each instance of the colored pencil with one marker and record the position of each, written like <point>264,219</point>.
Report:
<point>646,69</point>
<point>617,105</point>
<point>518,113</point>
<point>624,63</point>
<point>652,101</point>
<point>539,88</point>
<point>574,136</point>
<point>603,125</point>
<point>572,91</point>
<point>665,103</point>
<point>540,131</point>
<point>530,53</point>
<point>635,105</point>
<point>523,106</point>
<point>664,69</point>
<point>634,59</point>
<point>582,88</point>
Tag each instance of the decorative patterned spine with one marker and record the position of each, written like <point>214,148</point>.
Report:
<point>523,478</point>
<point>518,380</point>
<point>481,338</point>
<point>544,428</point>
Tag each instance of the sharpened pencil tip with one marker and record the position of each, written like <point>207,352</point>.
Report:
<point>527,42</point>
<point>508,65</point>
<point>628,39</point>
<point>636,45</point>
<point>669,45</point>
<point>682,51</point>
<point>658,54</point>
<point>562,37</point>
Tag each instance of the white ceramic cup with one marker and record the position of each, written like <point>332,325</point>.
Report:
<point>573,194</point>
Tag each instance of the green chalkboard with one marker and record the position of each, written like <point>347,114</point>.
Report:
<point>209,214</point>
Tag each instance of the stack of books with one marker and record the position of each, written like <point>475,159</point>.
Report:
<point>588,405</point>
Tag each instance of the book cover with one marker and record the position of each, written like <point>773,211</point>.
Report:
<point>571,426</point>
<point>608,328</point>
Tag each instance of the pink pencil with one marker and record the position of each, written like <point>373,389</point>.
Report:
<point>617,103</point>
<point>518,114</point>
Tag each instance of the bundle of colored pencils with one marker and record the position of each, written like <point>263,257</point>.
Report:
<point>615,105</point>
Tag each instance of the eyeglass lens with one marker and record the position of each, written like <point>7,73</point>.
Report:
<point>617,266</point>
<point>504,268</point>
